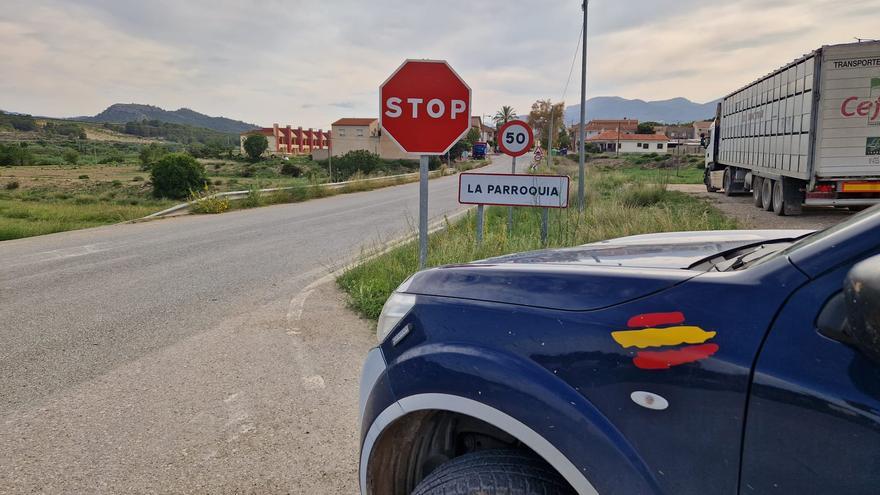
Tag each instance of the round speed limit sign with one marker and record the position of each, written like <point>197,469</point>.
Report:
<point>515,138</point>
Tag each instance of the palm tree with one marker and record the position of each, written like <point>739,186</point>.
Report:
<point>505,115</point>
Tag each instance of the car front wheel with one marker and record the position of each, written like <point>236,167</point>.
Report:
<point>494,472</point>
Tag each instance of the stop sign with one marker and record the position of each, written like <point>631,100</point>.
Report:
<point>425,107</point>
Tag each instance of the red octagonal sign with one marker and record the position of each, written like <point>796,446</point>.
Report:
<point>425,107</point>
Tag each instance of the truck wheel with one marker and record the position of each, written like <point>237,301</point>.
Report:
<point>728,182</point>
<point>767,194</point>
<point>778,198</point>
<point>757,185</point>
<point>708,181</point>
<point>491,472</point>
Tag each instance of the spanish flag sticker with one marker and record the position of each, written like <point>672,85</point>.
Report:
<point>665,330</point>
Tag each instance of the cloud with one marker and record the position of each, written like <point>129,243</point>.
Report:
<point>309,63</point>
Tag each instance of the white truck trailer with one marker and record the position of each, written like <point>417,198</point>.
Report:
<point>806,134</point>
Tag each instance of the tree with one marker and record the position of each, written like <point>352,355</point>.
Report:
<point>255,145</point>
<point>11,155</point>
<point>540,117</point>
<point>564,140</point>
<point>70,156</point>
<point>646,128</point>
<point>150,155</point>
<point>473,136</point>
<point>176,174</point>
<point>503,116</point>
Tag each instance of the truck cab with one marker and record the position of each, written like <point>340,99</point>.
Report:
<point>726,362</point>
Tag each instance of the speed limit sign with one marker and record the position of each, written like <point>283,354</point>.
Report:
<point>515,138</point>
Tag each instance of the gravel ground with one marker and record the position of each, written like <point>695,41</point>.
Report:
<point>741,208</point>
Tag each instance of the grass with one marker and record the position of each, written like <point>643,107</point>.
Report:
<point>26,215</point>
<point>618,204</point>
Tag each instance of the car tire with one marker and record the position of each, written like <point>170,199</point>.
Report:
<point>492,472</point>
<point>778,197</point>
<point>767,194</point>
<point>728,182</point>
<point>757,185</point>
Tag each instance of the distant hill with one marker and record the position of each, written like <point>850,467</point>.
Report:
<point>668,111</point>
<point>121,113</point>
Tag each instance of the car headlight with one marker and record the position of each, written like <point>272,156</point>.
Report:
<point>396,307</point>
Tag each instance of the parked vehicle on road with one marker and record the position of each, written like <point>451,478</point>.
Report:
<point>480,150</point>
<point>808,133</point>
<point>720,362</point>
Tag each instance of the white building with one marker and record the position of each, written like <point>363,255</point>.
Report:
<point>630,143</point>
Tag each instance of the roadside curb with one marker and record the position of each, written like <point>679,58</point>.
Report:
<point>371,254</point>
<point>183,208</point>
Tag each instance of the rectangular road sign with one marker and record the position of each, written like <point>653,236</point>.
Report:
<point>544,191</point>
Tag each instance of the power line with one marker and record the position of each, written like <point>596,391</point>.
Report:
<point>577,50</point>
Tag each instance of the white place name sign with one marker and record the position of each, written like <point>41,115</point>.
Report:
<point>545,191</point>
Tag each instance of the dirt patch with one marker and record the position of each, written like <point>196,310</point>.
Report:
<point>741,208</point>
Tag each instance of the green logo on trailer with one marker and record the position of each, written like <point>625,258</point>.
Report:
<point>872,147</point>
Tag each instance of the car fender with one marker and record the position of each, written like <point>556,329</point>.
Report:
<point>520,398</point>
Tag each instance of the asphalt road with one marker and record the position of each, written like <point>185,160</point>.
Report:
<point>183,355</point>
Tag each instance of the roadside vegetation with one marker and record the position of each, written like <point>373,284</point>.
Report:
<point>58,175</point>
<point>619,203</point>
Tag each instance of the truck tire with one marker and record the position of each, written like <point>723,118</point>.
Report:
<point>757,185</point>
<point>708,181</point>
<point>728,182</point>
<point>778,198</point>
<point>767,194</point>
<point>491,472</point>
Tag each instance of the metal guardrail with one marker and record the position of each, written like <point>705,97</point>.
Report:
<point>244,194</point>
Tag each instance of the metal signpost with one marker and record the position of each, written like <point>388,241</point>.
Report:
<point>537,191</point>
<point>425,109</point>
<point>515,139</point>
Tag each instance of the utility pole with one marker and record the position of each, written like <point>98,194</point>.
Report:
<point>550,137</point>
<point>581,175</point>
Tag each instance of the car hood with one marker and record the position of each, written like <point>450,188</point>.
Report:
<point>588,277</point>
<point>663,250</point>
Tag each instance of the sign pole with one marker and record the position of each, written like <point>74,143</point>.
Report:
<point>510,209</point>
<point>545,216</point>
<point>423,211</point>
<point>479,224</point>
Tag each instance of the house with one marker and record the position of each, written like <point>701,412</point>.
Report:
<point>630,143</point>
<point>364,134</point>
<point>596,127</point>
<point>486,133</point>
<point>677,133</point>
<point>701,128</point>
<point>289,141</point>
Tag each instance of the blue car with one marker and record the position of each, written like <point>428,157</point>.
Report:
<point>726,362</point>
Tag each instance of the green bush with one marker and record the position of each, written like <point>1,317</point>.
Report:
<point>12,155</point>
<point>70,156</point>
<point>207,202</point>
<point>176,175</point>
<point>150,155</point>
<point>291,169</point>
<point>346,165</point>
<point>84,177</point>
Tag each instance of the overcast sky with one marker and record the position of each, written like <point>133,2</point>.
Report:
<point>308,62</point>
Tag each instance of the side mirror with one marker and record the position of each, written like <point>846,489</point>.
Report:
<point>861,291</point>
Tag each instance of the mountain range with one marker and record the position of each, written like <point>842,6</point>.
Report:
<point>668,111</point>
<point>121,113</point>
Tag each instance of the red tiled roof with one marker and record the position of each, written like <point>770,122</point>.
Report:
<point>612,136</point>
<point>601,125</point>
<point>354,122</point>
